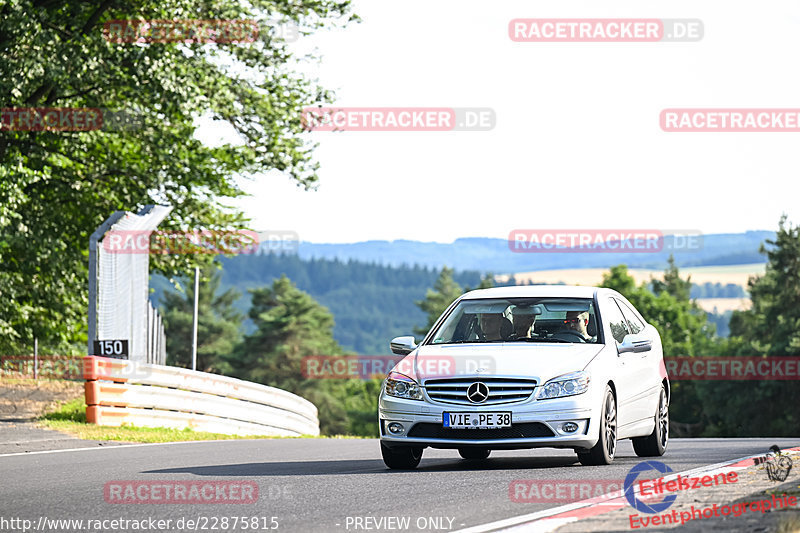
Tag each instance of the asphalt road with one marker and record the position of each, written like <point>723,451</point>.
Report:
<point>311,485</point>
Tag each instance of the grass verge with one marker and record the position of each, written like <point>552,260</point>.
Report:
<point>86,431</point>
<point>70,418</point>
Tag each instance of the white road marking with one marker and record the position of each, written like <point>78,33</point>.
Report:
<point>109,447</point>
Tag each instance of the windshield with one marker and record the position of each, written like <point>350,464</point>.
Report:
<point>563,320</point>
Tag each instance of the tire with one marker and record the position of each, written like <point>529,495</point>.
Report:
<point>603,452</point>
<point>404,458</point>
<point>474,454</point>
<point>655,444</point>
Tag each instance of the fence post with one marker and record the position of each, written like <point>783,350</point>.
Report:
<point>194,328</point>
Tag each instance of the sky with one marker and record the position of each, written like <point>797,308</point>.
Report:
<point>577,141</point>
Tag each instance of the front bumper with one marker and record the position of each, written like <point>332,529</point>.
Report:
<point>543,418</point>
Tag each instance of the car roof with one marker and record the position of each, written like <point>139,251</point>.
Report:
<point>523,291</point>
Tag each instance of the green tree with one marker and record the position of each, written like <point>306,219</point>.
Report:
<point>772,324</point>
<point>673,284</point>
<point>617,278</point>
<point>360,401</point>
<point>291,326</point>
<point>771,327</point>
<point>218,324</point>
<point>487,282</point>
<point>444,292</point>
<point>57,187</point>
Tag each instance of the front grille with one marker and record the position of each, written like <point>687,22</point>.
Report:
<point>501,390</point>
<point>517,431</point>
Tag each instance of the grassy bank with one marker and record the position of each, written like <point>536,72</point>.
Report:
<point>70,418</point>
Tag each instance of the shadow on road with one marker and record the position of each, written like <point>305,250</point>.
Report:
<point>367,466</point>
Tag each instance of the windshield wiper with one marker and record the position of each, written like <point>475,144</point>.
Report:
<point>475,341</point>
<point>522,339</point>
<point>542,339</point>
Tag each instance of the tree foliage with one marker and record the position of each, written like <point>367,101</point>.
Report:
<point>672,283</point>
<point>290,326</point>
<point>57,187</point>
<point>772,324</point>
<point>444,292</point>
<point>771,327</point>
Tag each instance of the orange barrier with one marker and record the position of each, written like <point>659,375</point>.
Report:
<point>120,392</point>
<point>95,367</point>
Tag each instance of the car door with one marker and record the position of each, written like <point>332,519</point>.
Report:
<point>646,366</point>
<point>616,328</point>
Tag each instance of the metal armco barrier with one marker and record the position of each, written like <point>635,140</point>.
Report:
<point>120,392</point>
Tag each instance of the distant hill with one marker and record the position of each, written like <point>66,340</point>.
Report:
<point>494,255</point>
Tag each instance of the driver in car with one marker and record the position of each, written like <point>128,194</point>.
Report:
<point>578,321</point>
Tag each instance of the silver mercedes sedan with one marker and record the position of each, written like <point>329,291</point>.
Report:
<point>528,367</point>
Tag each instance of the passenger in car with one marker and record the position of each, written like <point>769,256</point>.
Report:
<point>523,325</point>
<point>495,327</point>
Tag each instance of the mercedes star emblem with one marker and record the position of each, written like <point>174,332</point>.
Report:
<point>478,392</point>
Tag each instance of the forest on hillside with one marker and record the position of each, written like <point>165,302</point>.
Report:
<point>371,303</point>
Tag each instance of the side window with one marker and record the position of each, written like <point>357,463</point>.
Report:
<point>634,324</point>
<point>615,320</point>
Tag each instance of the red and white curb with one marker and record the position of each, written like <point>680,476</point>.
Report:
<point>551,519</point>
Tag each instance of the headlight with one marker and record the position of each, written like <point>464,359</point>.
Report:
<point>566,385</point>
<point>402,386</point>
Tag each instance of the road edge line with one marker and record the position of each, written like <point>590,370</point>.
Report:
<point>112,447</point>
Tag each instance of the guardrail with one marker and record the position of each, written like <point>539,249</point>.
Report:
<point>120,392</point>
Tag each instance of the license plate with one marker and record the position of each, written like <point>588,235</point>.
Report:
<point>476,420</point>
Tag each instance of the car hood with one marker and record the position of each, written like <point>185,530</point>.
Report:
<point>540,361</point>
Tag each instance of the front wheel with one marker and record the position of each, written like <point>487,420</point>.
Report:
<point>474,453</point>
<point>402,458</point>
<point>603,452</point>
<point>655,444</point>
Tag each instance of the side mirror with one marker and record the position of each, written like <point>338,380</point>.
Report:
<point>635,343</point>
<point>403,345</point>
